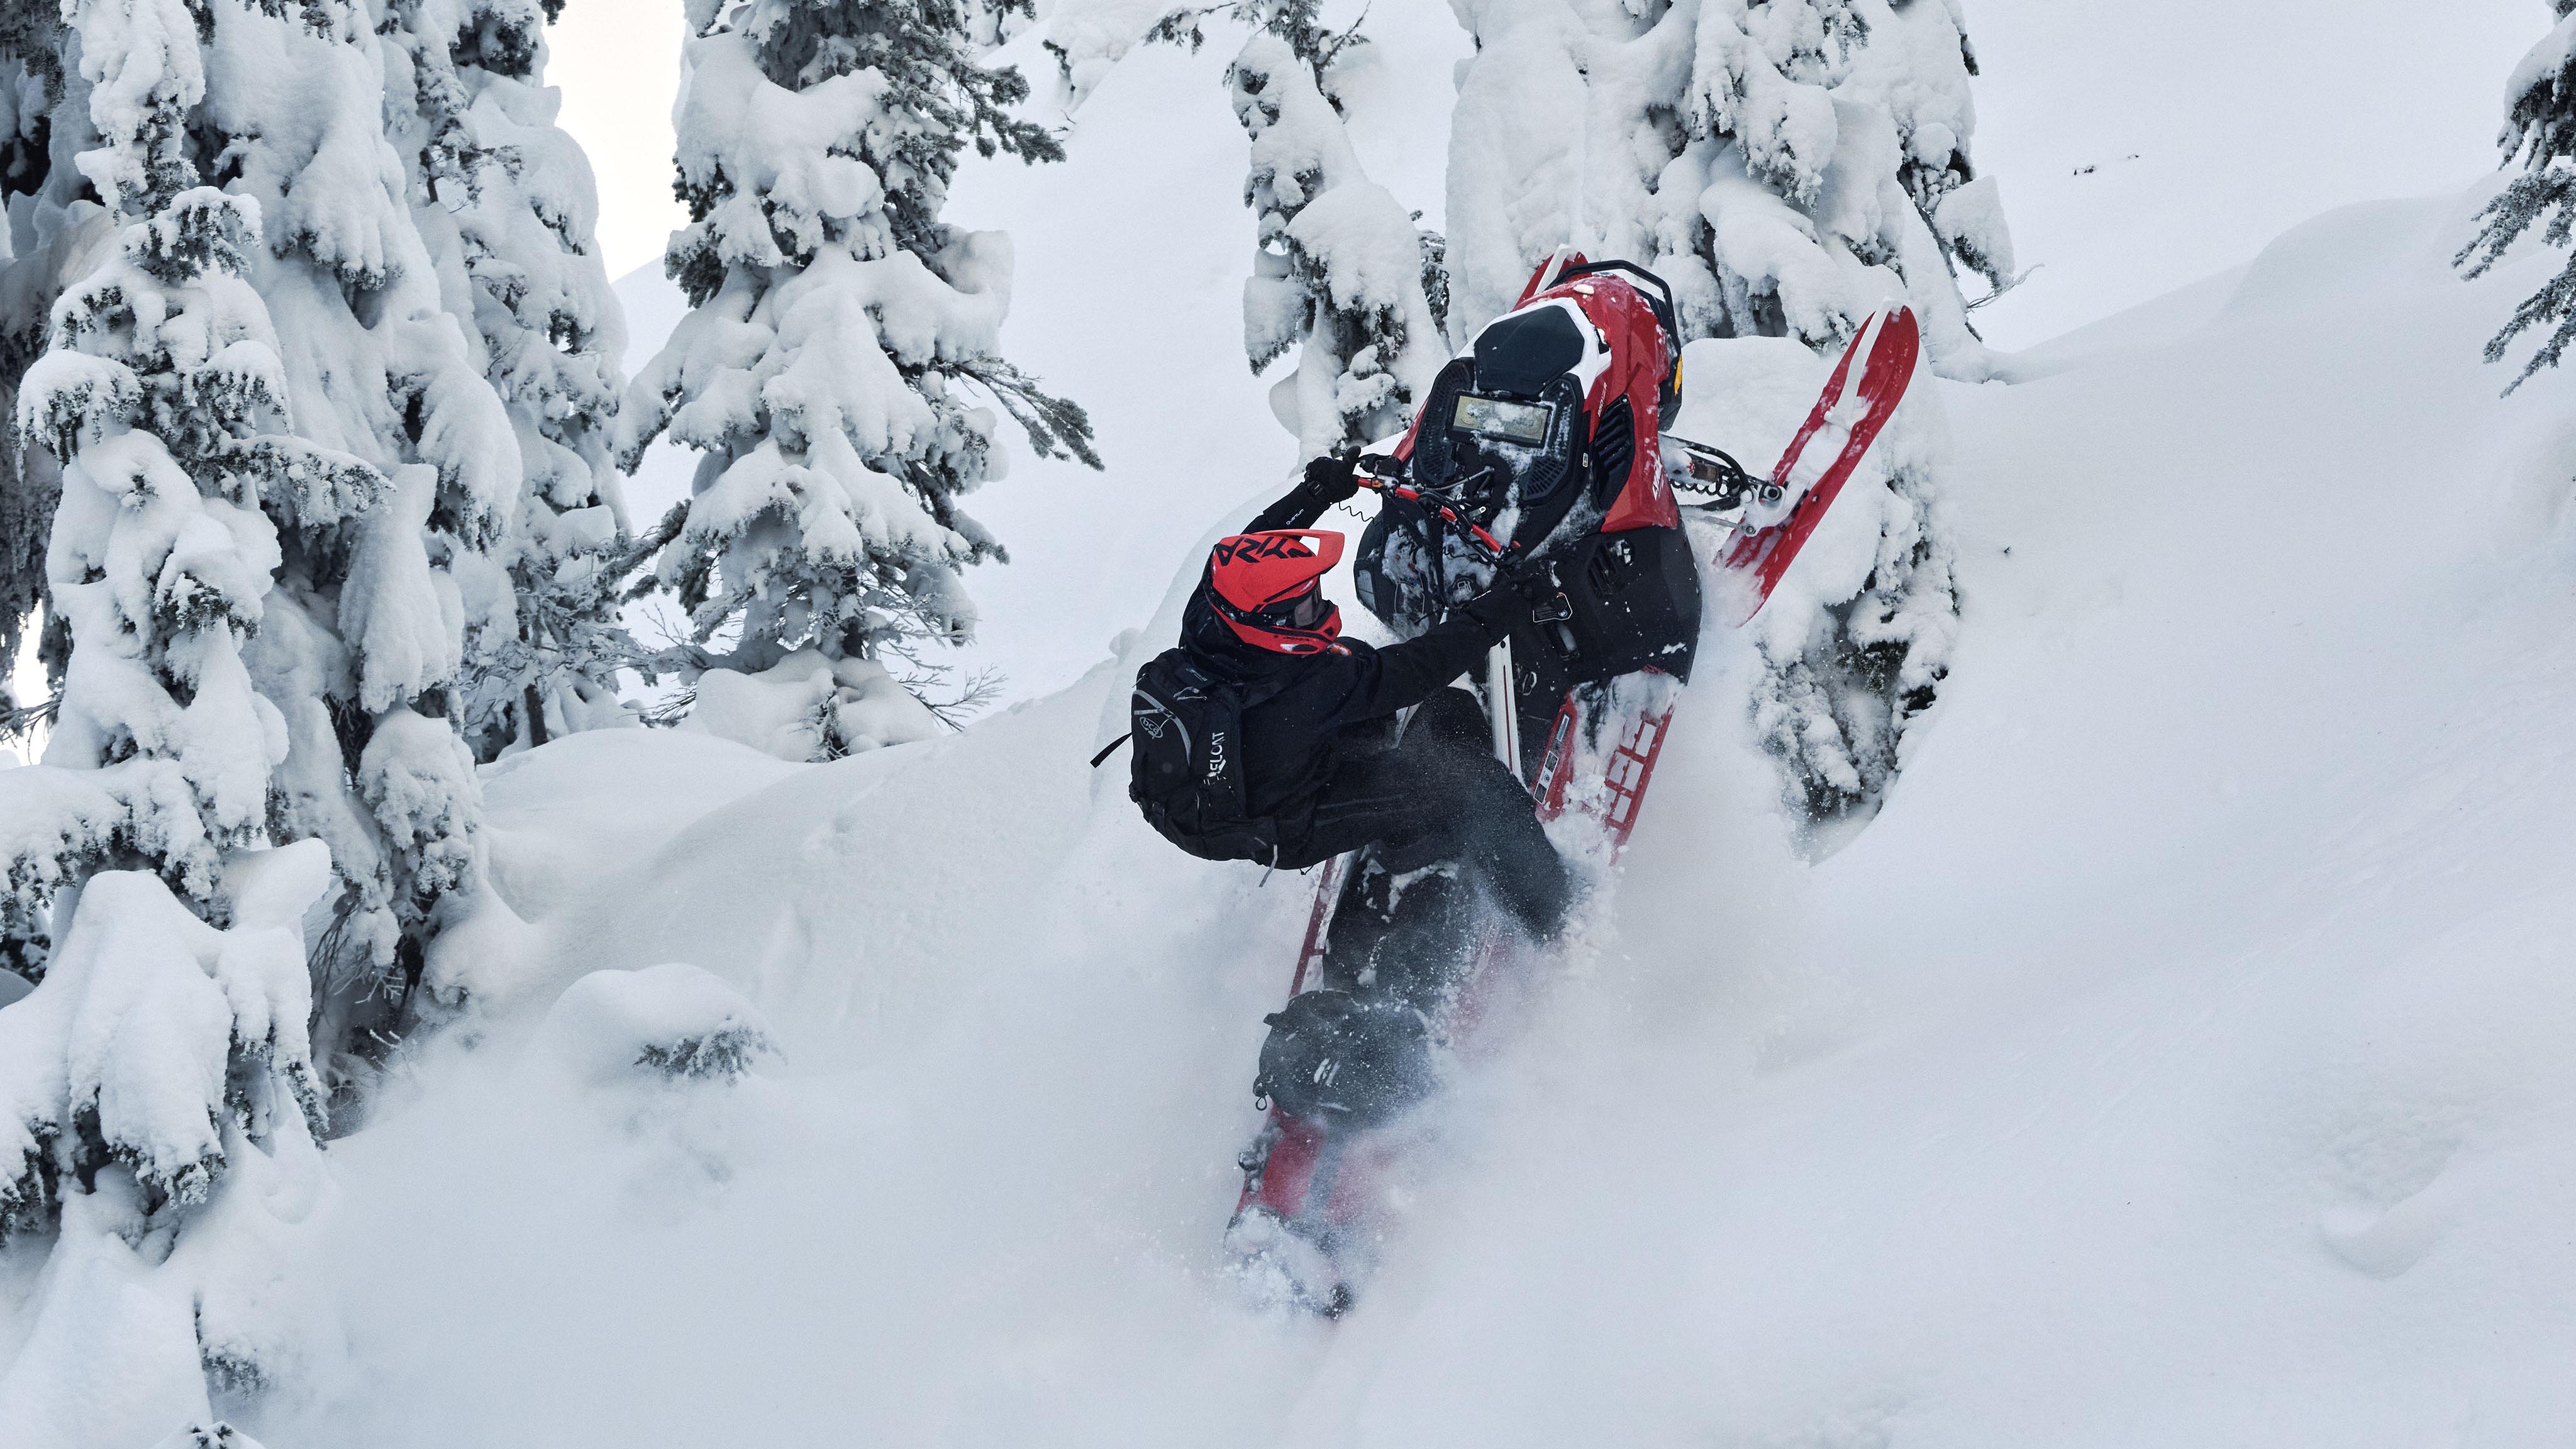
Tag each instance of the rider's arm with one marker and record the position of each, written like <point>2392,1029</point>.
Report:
<point>1401,675</point>
<point>1297,510</point>
<point>1328,481</point>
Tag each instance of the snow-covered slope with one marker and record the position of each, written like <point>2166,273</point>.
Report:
<point>2178,1058</point>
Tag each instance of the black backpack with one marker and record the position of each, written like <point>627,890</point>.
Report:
<point>1188,768</point>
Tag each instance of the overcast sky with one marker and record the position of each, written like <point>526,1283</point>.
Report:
<point>2212,125</point>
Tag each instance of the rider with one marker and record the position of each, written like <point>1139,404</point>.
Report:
<point>1322,756</point>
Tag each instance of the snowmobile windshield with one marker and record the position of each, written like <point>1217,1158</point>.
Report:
<point>1495,417</point>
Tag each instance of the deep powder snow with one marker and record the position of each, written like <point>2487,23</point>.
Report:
<point>2179,1057</point>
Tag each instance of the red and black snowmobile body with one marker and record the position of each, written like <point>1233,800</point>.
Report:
<point>1547,438</point>
<point>1549,433</point>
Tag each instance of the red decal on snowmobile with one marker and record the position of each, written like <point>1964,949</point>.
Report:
<point>1327,892</point>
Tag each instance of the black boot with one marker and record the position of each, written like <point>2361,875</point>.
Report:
<point>1361,919</point>
<point>1424,950</point>
<point>1350,1061</point>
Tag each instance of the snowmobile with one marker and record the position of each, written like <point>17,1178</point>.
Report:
<point>1547,438</point>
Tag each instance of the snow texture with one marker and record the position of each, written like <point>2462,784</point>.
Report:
<point>1088,37</point>
<point>807,707</point>
<point>672,1020</point>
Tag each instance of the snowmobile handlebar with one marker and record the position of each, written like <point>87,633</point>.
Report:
<point>1378,471</point>
<point>1385,474</point>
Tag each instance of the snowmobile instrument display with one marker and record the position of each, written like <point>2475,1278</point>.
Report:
<point>1495,417</point>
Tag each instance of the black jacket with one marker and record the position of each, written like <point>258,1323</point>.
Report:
<point>1304,711</point>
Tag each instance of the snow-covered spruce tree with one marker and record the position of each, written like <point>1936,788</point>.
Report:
<point>2539,131</point>
<point>378,345</point>
<point>1340,272</point>
<point>159,1080</point>
<point>838,335</point>
<point>1788,167</point>
<point>253,346</point>
<point>507,197</point>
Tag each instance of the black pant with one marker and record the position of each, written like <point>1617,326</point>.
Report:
<point>1439,794</point>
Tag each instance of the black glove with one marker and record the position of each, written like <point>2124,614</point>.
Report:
<point>1329,480</point>
<point>1523,590</point>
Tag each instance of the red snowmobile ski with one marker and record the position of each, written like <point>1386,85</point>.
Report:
<point>1777,517</point>
<point>1547,437</point>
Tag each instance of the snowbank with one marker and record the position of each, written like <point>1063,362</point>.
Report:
<point>807,707</point>
<point>2178,1057</point>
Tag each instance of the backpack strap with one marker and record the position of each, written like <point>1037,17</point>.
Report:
<point>1111,748</point>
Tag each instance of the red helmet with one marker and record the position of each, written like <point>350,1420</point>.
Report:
<point>1268,587</point>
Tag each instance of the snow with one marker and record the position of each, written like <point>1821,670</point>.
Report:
<point>840,337</point>
<point>1184,428</point>
<point>2176,1058</point>
<point>672,1019</point>
<point>180,1050</point>
<point>808,707</point>
<point>1338,276</point>
<point>2147,146</point>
